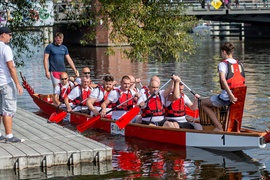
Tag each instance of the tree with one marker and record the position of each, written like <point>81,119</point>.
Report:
<point>21,17</point>
<point>154,29</point>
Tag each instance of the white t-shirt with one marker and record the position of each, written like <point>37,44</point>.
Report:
<point>6,55</point>
<point>143,98</point>
<point>76,92</point>
<point>223,67</point>
<point>98,94</point>
<point>113,97</point>
<point>57,87</point>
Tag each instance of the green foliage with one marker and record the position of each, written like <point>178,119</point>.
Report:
<point>157,30</point>
<point>20,19</point>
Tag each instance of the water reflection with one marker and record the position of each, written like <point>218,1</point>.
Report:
<point>199,73</point>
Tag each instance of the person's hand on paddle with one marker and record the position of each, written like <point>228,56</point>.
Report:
<point>103,112</point>
<point>176,78</point>
<point>69,109</point>
<point>95,112</point>
<point>197,97</point>
<point>141,104</point>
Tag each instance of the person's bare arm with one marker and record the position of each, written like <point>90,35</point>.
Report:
<point>89,104</point>
<point>46,65</point>
<point>70,62</point>
<point>103,107</point>
<point>13,74</point>
<point>226,87</point>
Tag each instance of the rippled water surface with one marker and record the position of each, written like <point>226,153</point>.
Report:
<point>134,158</point>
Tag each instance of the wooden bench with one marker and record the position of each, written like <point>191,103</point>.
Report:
<point>230,116</point>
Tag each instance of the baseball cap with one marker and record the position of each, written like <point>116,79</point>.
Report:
<point>4,30</point>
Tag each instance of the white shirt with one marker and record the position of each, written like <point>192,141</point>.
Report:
<point>113,97</point>
<point>76,92</point>
<point>98,94</point>
<point>6,55</point>
<point>58,89</point>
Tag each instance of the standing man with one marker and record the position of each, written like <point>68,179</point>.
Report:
<point>9,86</point>
<point>54,59</point>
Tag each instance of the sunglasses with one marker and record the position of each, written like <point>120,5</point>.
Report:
<point>86,72</point>
<point>181,84</point>
<point>63,78</point>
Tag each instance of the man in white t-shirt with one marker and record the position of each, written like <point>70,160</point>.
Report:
<point>99,95</point>
<point>62,89</point>
<point>119,96</point>
<point>79,95</point>
<point>9,86</point>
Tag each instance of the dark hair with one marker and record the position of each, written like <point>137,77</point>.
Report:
<point>108,78</point>
<point>227,47</point>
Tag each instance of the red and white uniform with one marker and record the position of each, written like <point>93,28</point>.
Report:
<point>62,91</point>
<point>77,95</point>
<point>100,95</point>
<point>117,94</point>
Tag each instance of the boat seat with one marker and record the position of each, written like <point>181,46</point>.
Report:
<point>46,97</point>
<point>230,116</point>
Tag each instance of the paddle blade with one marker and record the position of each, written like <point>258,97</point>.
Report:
<point>57,117</point>
<point>192,113</point>
<point>126,118</point>
<point>86,125</point>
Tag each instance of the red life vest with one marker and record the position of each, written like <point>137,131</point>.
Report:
<point>235,76</point>
<point>105,96</point>
<point>84,95</point>
<point>154,106</point>
<point>122,98</point>
<point>64,92</point>
<point>176,108</point>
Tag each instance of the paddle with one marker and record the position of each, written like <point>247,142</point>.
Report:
<point>189,112</point>
<point>126,118</point>
<point>84,126</point>
<point>56,118</point>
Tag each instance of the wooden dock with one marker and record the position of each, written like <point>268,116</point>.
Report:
<point>47,145</point>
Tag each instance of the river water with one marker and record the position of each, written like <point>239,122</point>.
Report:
<point>134,158</point>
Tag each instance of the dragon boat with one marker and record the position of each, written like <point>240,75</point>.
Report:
<point>233,138</point>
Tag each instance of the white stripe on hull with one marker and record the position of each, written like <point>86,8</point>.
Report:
<point>223,142</point>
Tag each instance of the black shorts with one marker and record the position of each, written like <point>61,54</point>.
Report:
<point>159,123</point>
<point>185,125</point>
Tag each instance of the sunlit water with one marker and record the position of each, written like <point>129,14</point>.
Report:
<point>134,158</point>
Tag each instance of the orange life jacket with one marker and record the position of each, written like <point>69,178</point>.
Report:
<point>105,96</point>
<point>176,108</point>
<point>122,98</point>
<point>84,95</point>
<point>154,106</point>
<point>236,75</point>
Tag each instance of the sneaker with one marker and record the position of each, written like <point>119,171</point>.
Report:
<point>2,138</point>
<point>14,140</point>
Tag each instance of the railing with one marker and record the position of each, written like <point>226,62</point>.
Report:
<point>67,13</point>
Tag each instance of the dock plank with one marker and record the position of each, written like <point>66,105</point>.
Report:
<point>47,145</point>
